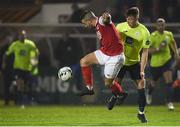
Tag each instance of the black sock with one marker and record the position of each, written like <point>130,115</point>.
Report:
<point>169,92</point>
<point>141,99</point>
<point>19,97</point>
<point>150,89</point>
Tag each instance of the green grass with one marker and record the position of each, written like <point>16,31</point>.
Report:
<point>87,115</point>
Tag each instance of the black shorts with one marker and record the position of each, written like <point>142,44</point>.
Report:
<point>134,71</point>
<point>157,72</point>
<point>21,74</point>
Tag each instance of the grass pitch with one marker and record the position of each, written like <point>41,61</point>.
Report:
<point>87,116</point>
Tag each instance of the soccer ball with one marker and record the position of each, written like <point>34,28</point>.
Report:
<point>65,73</point>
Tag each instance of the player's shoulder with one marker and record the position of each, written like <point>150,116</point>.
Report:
<point>121,24</point>
<point>143,27</point>
<point>168,33</point>
<point>154,33</point>
<point>15,43</point>
<point>30,42</point>
<point>144,30</point>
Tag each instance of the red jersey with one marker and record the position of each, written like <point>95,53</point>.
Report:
<point>109,38</point>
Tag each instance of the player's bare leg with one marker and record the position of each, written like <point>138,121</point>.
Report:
<point>87,74</point>
<point>150,89</point>
<point>169,89</point>
<point>167,75</point>
<point>20,92</point>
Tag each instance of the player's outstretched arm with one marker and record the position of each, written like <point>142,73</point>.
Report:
<point>106,18</point>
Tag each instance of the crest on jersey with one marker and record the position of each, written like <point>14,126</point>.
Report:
<point>137,34</point>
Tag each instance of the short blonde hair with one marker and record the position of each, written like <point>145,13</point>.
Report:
<point>87,15</point>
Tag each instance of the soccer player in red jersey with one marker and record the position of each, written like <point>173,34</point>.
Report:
<point>110,54</point>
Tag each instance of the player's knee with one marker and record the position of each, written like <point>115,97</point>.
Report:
<point>108,82</point>
<point>84,62</point>
<point>108,85</point>
<point>141,84</point>
<point>168,79</point>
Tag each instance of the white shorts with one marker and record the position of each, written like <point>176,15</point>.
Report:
<point>112,64</point>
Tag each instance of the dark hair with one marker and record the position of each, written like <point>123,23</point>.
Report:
<point>133,11</point>
<point>86,15</point>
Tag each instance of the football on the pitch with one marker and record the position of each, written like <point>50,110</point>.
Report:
<point>65,73</point>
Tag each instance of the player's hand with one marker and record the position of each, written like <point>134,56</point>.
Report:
<point>105,15</point>
<point>106,18</point>
<point>142,75</point>
<point>177,57</point>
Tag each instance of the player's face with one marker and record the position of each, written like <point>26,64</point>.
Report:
<point>160,26</point>
<point>22,35</point>
<point>132,21</point>
<point>87,23</point>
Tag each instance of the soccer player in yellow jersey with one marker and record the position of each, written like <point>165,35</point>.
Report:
<point>161,60</point>
<point>23,63</point>
<point>136,41</point>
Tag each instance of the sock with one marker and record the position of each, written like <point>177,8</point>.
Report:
<point>151,89</point>
<point>87,76</point>
<point>19,97</point>
<point>24,99</point>
<point>169,92</point>
<point>141,100</point>
<point>116,88</point>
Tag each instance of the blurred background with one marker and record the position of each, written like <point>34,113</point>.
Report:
<point>54,26</point>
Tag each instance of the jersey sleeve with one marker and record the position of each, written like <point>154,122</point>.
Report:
<point>171,36</point>
<point>146,39</point>
<point>118,27</point>
<point>33,47</point>
<point>36,50</point>
<point>34,55</point>
<point>151,39</point>
<point>11,48</point>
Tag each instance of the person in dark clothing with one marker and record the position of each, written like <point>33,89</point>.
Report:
<point>7,72</point>
<point>68,52</point>
<point>75,17</point>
